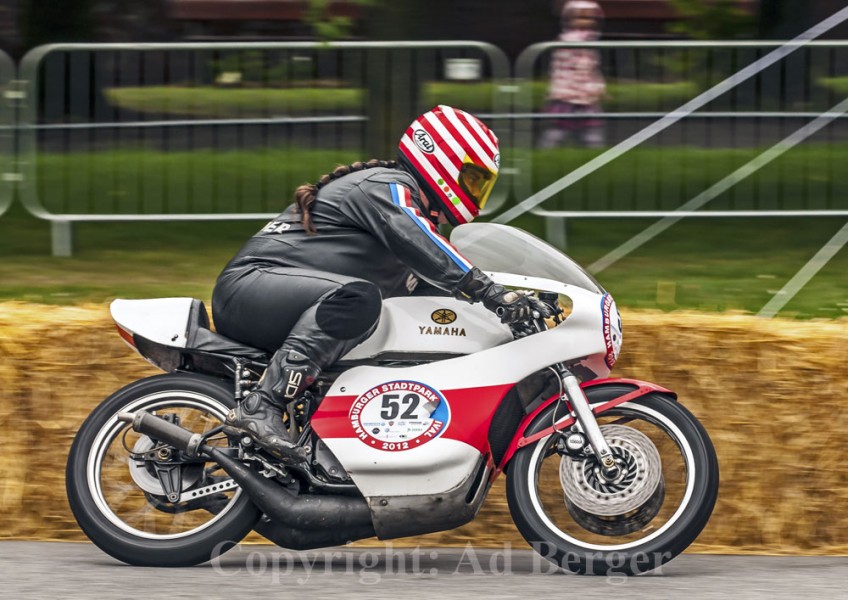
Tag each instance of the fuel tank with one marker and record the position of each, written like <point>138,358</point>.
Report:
<point>438,326</point>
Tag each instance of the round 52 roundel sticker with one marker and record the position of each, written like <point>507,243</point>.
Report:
<point>399,415</point>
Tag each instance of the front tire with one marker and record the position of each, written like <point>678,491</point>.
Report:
<point>629,545</point>
<point>135,525</point>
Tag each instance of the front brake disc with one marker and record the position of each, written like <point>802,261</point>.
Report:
<point>640,475</point>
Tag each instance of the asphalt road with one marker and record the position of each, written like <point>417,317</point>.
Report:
<point>76,571</point>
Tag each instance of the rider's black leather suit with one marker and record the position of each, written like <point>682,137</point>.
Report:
<point>321,294</point>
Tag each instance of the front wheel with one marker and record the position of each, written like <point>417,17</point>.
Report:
<point>658,505</point>
<point>145,503</point>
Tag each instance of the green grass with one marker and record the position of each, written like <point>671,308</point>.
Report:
<point>837,85</point>
<point>811,176</point>
<point>260,181</point>
<point>136,180</point>
<point>649,96</point>
<point>111,260</point>
<point>701,264</point>
<point>221,102</point>
<point>708,265</point>
<point>721,265</point>
<point>214,102</point>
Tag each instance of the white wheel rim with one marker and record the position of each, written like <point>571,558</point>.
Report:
<point>688,456</point>
<point>107,433</point>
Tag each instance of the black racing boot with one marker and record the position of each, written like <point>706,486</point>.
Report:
<point>260,414</point>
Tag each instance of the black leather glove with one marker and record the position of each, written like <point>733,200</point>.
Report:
<point>509,305</point>
<point>512,306</point>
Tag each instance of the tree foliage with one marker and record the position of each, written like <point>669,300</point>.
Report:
<point>327,26</point>
<point>712,19</point>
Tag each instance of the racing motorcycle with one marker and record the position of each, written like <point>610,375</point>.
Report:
<point>405,434</point>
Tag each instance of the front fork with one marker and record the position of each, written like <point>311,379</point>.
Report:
<point>586,422</point>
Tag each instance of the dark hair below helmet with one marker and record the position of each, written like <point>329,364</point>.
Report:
<point>455,158</point>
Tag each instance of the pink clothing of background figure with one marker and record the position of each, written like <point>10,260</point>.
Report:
<point>575,72</point>
<point>576,82</point>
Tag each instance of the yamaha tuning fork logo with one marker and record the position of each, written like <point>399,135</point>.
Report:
<point>399,415</point>
<point>443,316</point>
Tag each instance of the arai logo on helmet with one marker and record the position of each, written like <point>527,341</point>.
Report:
<point>424,141</point>
<point>497,159</point>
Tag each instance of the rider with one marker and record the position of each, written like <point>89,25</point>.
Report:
<point>309,285</point>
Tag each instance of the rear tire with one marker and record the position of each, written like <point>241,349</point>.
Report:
<point>97,442</point>
<point>570,545</point>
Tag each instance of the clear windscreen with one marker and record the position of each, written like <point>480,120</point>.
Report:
<point>493,247</point>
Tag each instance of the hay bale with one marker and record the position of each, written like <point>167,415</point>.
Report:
<point>58,363</point>
<point>770,392</point>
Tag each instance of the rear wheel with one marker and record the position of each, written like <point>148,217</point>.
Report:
<point>144,502</point>
<point>658,505</point>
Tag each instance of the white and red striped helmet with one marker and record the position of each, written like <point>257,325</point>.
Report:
<point>455,157</point>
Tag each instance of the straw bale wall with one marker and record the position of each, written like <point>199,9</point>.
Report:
<point>772,393</point>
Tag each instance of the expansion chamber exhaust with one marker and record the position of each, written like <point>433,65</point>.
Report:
<point>296,521</point>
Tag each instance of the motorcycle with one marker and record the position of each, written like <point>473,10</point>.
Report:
<point>405,434</point>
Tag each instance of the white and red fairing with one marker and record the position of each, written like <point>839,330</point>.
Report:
<point>431,433</point>
<point>472,386</point>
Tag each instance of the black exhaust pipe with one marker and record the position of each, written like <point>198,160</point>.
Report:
<point>298,511</point>
<point>297,539</point>
<point>330,518</point>
<point>164,431</point>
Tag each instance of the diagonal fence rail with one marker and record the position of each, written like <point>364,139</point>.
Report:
<point>129,132</point>
<point>654,161</point>
<point>692,207</point>
<point>585,103</point>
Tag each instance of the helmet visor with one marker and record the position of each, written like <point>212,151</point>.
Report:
<point>477,182</point>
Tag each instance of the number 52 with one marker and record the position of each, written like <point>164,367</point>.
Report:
<point>391,406</point>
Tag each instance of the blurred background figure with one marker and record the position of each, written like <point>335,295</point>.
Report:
<point>577,84</point>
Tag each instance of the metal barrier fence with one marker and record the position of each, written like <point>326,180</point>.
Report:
<point>8,175</point>
<point>644,82</point>
<point>225,131</point>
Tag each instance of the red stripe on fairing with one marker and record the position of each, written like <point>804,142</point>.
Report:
<point>471,411</point>
<point>471,414</point>
<point>126,335</point>
<point>331,418</point>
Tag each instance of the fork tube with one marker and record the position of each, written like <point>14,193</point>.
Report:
<point>588,423</point>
